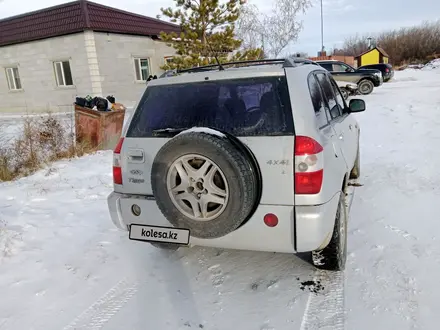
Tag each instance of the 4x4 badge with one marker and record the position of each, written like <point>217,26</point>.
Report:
<point>136,172</point>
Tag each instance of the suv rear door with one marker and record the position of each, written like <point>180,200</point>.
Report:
<point>334,161</point>
<point>337,116</point>
<point>255,109</point>
<point>348,125</point>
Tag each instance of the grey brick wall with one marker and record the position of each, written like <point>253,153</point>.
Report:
<point>100,63</point>
<point>116,55</point>
<point>35,63</point>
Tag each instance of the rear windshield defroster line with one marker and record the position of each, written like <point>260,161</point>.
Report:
<point>243,107</point>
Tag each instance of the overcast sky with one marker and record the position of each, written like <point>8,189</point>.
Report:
<point>342,18</point>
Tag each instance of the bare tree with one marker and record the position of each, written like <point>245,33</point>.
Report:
<point>248,27</point>
<point>355,45</point>
<point>275,30</point>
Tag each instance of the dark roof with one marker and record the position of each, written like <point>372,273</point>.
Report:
<point>380,50</point>
<point>384,53</point>
<point>75,17</point>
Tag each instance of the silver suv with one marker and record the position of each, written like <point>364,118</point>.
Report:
<point>253,155</point>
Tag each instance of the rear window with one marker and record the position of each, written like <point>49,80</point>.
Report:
<point>244,107</point>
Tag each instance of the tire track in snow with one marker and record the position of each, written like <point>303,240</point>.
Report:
<point>400,232</point>
<point>327,310</point>
<point>102,310</point>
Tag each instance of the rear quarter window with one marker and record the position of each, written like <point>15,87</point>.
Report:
<point>328,92</point>
<point>244,107</point>
<point>317,101</point>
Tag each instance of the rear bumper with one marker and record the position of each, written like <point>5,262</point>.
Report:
<point>388,76</point>
<point>312,226</point>
<point>378,81</point>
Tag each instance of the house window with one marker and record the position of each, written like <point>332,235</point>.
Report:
<point>13,78</point>
<point>142,68</point>
<point>63,74</point>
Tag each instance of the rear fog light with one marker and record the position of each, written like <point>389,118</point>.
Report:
<point>271,220</point>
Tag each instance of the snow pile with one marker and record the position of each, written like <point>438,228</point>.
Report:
<point>415,66</point>
<point>434,64</point>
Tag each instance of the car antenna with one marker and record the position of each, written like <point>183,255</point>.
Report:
<point>220,66</point>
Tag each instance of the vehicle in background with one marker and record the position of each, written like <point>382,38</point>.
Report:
<point>347,89</point>
<point>386,69</point>
<point>366,79</point>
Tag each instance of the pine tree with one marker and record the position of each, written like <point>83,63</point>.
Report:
<point>207,30</point>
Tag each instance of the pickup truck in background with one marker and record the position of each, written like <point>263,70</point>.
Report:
<point>366,79</point>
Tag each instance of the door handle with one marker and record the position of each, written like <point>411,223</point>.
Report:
<point>136,155</point>
<point>350,126</point>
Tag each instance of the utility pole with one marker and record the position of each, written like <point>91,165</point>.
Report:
<point>322,30</point>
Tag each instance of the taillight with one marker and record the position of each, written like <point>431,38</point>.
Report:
<point>117,170</point>
<point>387,70</point>
<point>309,166</point>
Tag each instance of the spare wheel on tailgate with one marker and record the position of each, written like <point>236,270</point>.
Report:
<point>204,182</point>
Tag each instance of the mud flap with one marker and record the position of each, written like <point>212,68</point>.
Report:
<point>354,183</point>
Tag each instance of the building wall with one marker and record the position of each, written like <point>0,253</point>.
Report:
<point>346,59</point>
<point>34,60</point>
<point>116,54</point>
<point>372,57</point>
<point>101,64</point>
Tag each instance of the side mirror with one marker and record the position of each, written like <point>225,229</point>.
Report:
<point>357,105</point>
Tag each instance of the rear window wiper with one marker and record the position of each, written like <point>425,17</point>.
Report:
<point>167,131</point>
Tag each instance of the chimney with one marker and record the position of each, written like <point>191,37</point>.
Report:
<point>370,45</point>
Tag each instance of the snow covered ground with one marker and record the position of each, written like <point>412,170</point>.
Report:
<point>64,266</point>
<point>11,126</point>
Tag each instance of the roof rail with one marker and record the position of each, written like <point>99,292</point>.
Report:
<point>286,63</point>
<point>168,73</point>
<point>296,61</point>
<point>235,63</point>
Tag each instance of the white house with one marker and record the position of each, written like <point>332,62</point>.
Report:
<point>48,57</point>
